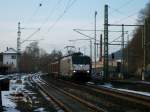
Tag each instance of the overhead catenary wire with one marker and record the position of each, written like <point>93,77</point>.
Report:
<point>83,34</point>
<point>27,38</point>
<point>30,18</point>
<point>89,30</point>
<point>65,10</point>
<point>36,11</point>
<point>121,7</point>
<point>126,18</point>
<point>51,13</point>
<point>115,39</point>
<point>120,12</point>
<point>44,22</point>
<point>125,4</point>
<point>68,6</point>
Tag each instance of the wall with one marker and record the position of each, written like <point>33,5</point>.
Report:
<point>10,59</point>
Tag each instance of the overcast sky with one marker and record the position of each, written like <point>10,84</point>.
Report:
<point>57,26</point>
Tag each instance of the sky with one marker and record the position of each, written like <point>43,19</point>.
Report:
<point>57,19</point>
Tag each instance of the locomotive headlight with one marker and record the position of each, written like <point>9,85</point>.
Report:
<point>88,71</point>
<point>74,71</point>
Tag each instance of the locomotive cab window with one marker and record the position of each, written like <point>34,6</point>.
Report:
<point>81,60</point>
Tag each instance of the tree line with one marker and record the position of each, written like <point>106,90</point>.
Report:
<point>35,59</point>
<point>135,49</point>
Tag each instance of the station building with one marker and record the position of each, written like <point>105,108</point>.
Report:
<point>8,60</point>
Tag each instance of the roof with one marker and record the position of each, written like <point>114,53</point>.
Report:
<point>10,51</point>
<point>73,54</point>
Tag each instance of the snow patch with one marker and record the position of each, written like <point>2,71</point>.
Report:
<point>108,85</point>
<point>7,109</point>
<point>39,110</point>
<point>136,92</point>
<point>8,103</point>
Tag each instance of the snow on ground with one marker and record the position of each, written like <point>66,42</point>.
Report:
<point>108,85</point>
<point>91,83</point>
<point>9,105</point>
<point>16,87</point>
<point>137,92</point>
<point>7,100</point>
<point>39,110</point>
<point>10,110</point>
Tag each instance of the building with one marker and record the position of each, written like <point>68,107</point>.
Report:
<point>10,59</point>
<point>99,65</point>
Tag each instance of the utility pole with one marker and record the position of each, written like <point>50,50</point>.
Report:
<point>106,75</point>
<point>91,49</point>
<point>18,47</point>
<point>145,47</point>
<point>19,44</point>
<point>143,44</point>
<point>122,59</point>
<point>128,53</point>
<point>122,43</point>
<point>101,47</point>
<point>95,41</point>
<point>97,49</point>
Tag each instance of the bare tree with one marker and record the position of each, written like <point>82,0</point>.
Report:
<point>36,59</point>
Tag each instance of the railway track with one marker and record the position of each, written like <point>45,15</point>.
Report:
<point>65,100</point>
<point>138,85</point>
<point>129,99</point>
<point>127,96</point>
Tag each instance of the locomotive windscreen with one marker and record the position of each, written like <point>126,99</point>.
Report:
<point>81,60</point>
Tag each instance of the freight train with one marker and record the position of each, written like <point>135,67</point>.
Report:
<point>74,67</point>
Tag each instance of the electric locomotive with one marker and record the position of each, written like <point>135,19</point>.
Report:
<point>75,66</point>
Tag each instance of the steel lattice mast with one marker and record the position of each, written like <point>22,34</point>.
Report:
<point>106,43</point>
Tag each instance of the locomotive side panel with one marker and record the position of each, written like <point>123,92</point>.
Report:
<point>66,67</point>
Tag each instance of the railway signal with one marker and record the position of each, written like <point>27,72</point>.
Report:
<point>113,56</point>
